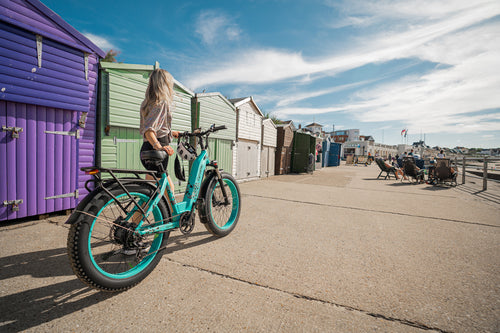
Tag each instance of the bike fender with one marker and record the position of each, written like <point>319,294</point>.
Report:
<point>211,176</point>
<point>110,185</point>
<point>206,182</point>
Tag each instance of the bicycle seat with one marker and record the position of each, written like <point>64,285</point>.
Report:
<point>153,155</point>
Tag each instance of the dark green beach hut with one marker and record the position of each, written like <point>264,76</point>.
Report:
<point>121,92</point>
<point>304,144</point>
<point>213,108</point>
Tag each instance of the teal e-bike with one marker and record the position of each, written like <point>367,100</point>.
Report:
<point>119,232</point>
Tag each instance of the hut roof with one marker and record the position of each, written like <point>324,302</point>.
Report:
<point>286,123</point>
<point>242,100</point>
<point>228,102</point>
<point>24,19</point>
<point>137,67</point>
<point>314,125</point>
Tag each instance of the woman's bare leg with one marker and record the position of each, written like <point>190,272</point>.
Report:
<point>136,218</point>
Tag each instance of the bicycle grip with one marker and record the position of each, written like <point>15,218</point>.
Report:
<point>217,128</point>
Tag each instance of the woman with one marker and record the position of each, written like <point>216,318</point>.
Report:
<point>398,171</point>
<point>156,116</point>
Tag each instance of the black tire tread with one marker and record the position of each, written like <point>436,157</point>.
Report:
<point>205,208</point>
<point>100,197</point>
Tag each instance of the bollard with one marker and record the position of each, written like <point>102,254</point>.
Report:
<point>485,174</point>
<point>463,171</point>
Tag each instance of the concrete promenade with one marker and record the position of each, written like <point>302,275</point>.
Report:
<point>336,251</point>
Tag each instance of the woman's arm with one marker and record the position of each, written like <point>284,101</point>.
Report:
<point>150,135</point>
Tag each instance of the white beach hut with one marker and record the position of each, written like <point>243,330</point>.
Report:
<point>246,156</point>
<point>268,151</point>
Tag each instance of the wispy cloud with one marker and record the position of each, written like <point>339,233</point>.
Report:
<point>212,26</point>
<point>463,36</point>
<point>271,65</point>
<point>293,98</point>
<point>103,42</point>
<point>362,13</point>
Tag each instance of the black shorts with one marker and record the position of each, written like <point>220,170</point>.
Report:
<point>147,146</point>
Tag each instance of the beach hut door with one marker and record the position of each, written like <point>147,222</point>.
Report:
<point>39,162</point>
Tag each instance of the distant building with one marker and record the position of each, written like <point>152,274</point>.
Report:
<point>366,138</point>
<point>315,128</point>
<point>462,150</point>
<point>342,136</point>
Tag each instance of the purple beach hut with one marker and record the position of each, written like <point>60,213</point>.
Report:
<point>48,91</point>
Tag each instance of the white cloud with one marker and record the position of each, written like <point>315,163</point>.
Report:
<point>212,26</point>
<point>293,98</point>
<point>401,12</point>
<point>271,65</point>
<point>102,42</point>
<point>459,35</point>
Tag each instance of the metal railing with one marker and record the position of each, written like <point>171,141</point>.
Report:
<point>476,164</point>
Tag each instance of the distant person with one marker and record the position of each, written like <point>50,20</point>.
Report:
<point>441,154</point>
<point>410,153</point>
<point>397,169</point>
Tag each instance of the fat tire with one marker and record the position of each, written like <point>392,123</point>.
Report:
<point>77,243</point>
<point>205,210</point>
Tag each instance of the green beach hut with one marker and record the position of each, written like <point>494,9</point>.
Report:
<point>213,108</point>
<point>121,93</point>
<point>303,145</point>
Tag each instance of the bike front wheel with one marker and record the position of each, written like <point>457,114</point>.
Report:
<point>104,249</point>
<point>218,214</point>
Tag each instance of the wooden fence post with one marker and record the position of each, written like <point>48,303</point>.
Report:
<point>485,173</point>
<point>463,171</point>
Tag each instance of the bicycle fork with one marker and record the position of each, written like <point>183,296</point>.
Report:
<point>221,183</point>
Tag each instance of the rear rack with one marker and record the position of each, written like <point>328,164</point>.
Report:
<point>102,183</point>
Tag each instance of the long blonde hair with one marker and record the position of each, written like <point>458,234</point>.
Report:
<point>160,88</point>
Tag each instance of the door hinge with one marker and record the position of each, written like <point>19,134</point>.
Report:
<point>15,131</point>
<point>83,119</point>
<point>14,203</point>
<point>86,59</point>
<point>67,195</point>
<point>75,133</point>
<point>39,42</point>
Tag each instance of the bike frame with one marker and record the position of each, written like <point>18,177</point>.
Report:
<point>186,205</point>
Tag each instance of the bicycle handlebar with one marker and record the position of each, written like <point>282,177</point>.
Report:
<point>199,133</point>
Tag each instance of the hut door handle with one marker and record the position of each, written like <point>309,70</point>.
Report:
<point>15,131</point>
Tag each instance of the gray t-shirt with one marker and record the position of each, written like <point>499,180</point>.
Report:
<point>159,120</point>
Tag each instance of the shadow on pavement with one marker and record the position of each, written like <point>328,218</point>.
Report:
<point>32,307</point>
<point>184,242</point>
<point>490,196</point>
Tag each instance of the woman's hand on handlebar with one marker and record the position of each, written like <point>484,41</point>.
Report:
<point>169,150</point>
<point>175,134</point>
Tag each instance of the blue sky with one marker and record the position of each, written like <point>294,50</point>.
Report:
<point>432,67</point>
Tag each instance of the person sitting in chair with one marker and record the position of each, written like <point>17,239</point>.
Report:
<point>396,167</point>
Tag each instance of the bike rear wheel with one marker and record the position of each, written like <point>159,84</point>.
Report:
<point>218,216</point>
<point>104,250</point>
